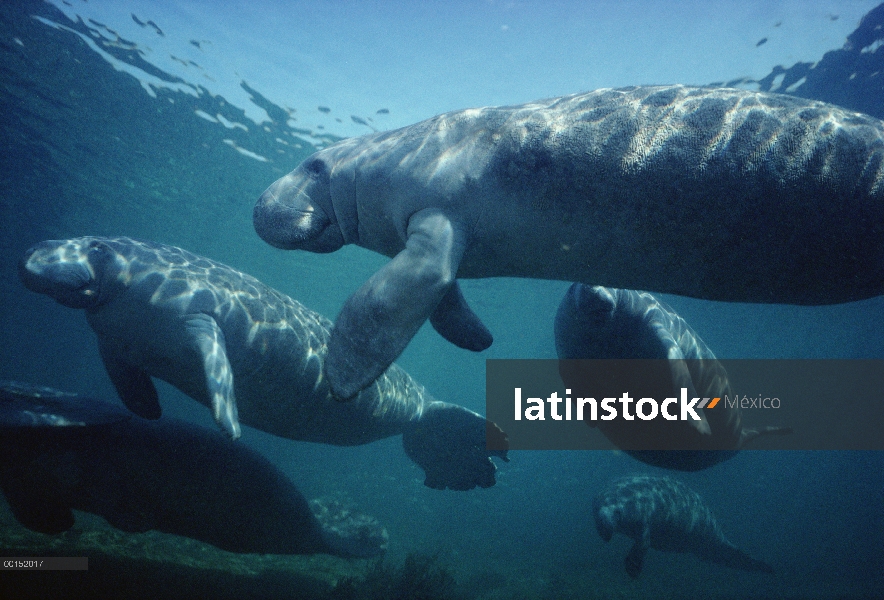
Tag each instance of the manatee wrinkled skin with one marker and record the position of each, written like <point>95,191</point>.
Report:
<point>715,193</point>
<point>246,351</point>
<point>665,514</point>
<point>658,354</point>
<point>62,451</point>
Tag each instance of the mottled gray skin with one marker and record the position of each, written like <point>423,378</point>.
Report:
<point>62,452</point>
<point>715,193</point>
<point>246,351</point>
<point>595,322</point>
<point>664,514</point>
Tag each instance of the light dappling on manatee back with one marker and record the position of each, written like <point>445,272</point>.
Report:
<point>715,193</point>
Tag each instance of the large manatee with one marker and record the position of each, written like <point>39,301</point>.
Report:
<point>715,193</point>
<point>62,451</point>
<point>246,351</point>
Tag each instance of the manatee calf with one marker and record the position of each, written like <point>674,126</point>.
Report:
<point>715,193</point>
<point>595,322</point>
<point>246,351</point>
<point>664,514</point>
<point>62,452</point>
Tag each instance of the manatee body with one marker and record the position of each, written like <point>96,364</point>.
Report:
<point>715,193</point>
<point>664,514</point>
<point>64,452</point>
<point>244,350</point>
<point>595,322</point>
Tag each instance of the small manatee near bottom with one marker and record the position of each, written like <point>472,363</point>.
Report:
<point>664,514</point>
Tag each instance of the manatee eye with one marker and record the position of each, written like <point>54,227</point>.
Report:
<point>316,168</point>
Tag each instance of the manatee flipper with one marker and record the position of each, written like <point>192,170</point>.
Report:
<point>681,378</point>
<point>449,444</point>
<point>33,505</point>
<point>635,558</point>
<point>380,318</point>
<point>209,340</point>
<point>134,385</point>
<point>681,375</point>
<point>457,323</point>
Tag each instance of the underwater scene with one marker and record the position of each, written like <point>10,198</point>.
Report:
<point>255,256</point>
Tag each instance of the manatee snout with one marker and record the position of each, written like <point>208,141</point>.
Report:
<point>594,304</point>
<point>584,314</point>
<point>287,217</point>
<point>45,269</point>
<point>604,523</point>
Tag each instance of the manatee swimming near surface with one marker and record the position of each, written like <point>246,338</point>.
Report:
<point>62,452</point>
<point>246,351</point>
<point>665,514</point>
<point>595,322</point>
<point>715,193</point>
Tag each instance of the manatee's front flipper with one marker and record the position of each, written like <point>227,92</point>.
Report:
<point>636,556</point>
<point>747,435</point>
<point>380,318</point>
<point>449,443</point>
<point>681,378</point>
<point>209,340</point>
<point>33,503</point>
<point>458,324</point>
<point>133,384</point>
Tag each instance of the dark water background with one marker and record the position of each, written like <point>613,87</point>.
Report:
<point>84,151</point>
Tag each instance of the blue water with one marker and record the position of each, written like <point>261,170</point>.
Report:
<point>153,136</point>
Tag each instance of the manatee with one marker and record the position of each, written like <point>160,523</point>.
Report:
<point>714,193</point>
<point>246,351</point>
<point>595,322</point>
<point>62,452</point>
<point>665,514</point>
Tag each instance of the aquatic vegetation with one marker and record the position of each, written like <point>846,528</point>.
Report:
<point>421,577</point>
<point>121,563</point>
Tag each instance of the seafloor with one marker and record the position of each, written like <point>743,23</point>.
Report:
<point>154,564</point>
<point>157,565</point>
